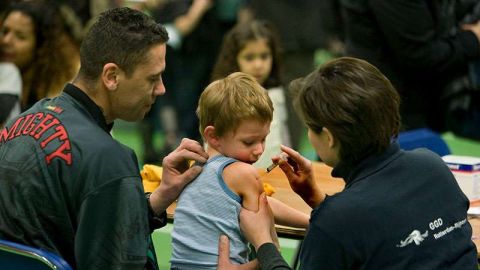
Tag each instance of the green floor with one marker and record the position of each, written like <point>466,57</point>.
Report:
<point>162,239</point>
<point>128,134</point>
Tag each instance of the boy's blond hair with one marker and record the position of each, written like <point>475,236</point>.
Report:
<point>226,102</point>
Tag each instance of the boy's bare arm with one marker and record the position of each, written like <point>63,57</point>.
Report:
<point>288,216</point>
<point>244,180</point>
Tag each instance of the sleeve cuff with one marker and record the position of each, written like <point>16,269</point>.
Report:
<point>155,221</point>
<point>269,257</point>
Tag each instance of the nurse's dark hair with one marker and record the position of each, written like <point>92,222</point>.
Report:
<point>122,36</point>
<point>355,101</point>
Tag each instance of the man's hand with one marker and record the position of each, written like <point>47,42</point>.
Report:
<point>224,257</point>
<point>177,173</point>
<point>299,173</point>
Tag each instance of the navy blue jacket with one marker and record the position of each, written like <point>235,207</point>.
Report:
<point>399,210</point>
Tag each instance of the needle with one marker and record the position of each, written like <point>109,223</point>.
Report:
<point>274,165</point>
<point>271,167</point>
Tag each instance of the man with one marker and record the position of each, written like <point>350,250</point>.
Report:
<point>66,185</point>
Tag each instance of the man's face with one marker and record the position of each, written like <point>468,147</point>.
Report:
<point>135,94</point>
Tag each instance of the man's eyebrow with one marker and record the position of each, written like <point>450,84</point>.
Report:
<point>157,74</point>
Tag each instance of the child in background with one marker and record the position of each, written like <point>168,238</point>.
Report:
<point>253,48</point>
<point>235,115</point>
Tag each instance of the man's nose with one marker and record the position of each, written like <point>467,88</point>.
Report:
<point>159,89</point>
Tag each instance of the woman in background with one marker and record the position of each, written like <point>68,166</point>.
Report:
<point>34,37</point>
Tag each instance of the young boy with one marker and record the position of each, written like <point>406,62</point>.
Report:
<point>235,115</point>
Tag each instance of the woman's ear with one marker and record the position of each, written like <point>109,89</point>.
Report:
<point>332,142</point>
<point>110,74</point>
<point>211,136</point>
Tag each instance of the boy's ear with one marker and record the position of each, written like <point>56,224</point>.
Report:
<point>211,136</point>
<point>332,142</point>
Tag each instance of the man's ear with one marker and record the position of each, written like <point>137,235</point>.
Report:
<point>210,136</point>
<point>332,142</point>
<point>110,74</point>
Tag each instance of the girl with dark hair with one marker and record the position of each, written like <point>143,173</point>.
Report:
<point>254,48</point>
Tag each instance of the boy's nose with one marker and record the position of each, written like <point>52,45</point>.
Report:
<point>259,148</point>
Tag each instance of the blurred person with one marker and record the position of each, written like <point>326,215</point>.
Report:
<point>253,47</point>
<point>35,39</point>
<point>398,207</point>
<point>301,28</point>
<point>235,113</point>
<point>10,92</point>
<point>68,187</point>
<point>421,47</point>
<point>174,114</point>
<point>196,28</point>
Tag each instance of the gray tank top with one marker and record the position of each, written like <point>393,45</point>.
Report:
<point>206,209</point>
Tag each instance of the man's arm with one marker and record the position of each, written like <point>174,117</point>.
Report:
<point>112,218</point>
<point>177,173</point>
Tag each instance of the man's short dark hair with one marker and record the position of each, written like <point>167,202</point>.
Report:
<point>122,36</point>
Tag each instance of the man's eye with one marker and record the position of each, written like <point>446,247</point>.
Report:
<point>155,79</point>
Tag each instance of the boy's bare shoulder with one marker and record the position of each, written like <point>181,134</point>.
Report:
<point>240,170</point>
<point>243,179</point>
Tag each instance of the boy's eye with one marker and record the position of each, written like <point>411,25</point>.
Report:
<point>247,143</point>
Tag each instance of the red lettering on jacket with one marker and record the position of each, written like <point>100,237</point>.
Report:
<point>37,125</point>
<point>62,152</point>
<point>3,135</point>
<point>13,128</point>
<point>44,126</point>
<point>31,125</point>
<point>27,118</point>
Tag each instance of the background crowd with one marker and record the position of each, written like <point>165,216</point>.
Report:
<point>429,51</point>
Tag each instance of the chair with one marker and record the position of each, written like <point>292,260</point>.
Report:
<point>423,138</point>
<point>18,256</point>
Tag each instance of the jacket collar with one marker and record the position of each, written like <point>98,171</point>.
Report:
<point>90,106</point>
<point>366,167</point>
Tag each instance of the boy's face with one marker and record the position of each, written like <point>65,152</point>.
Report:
<point>247,142</point>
